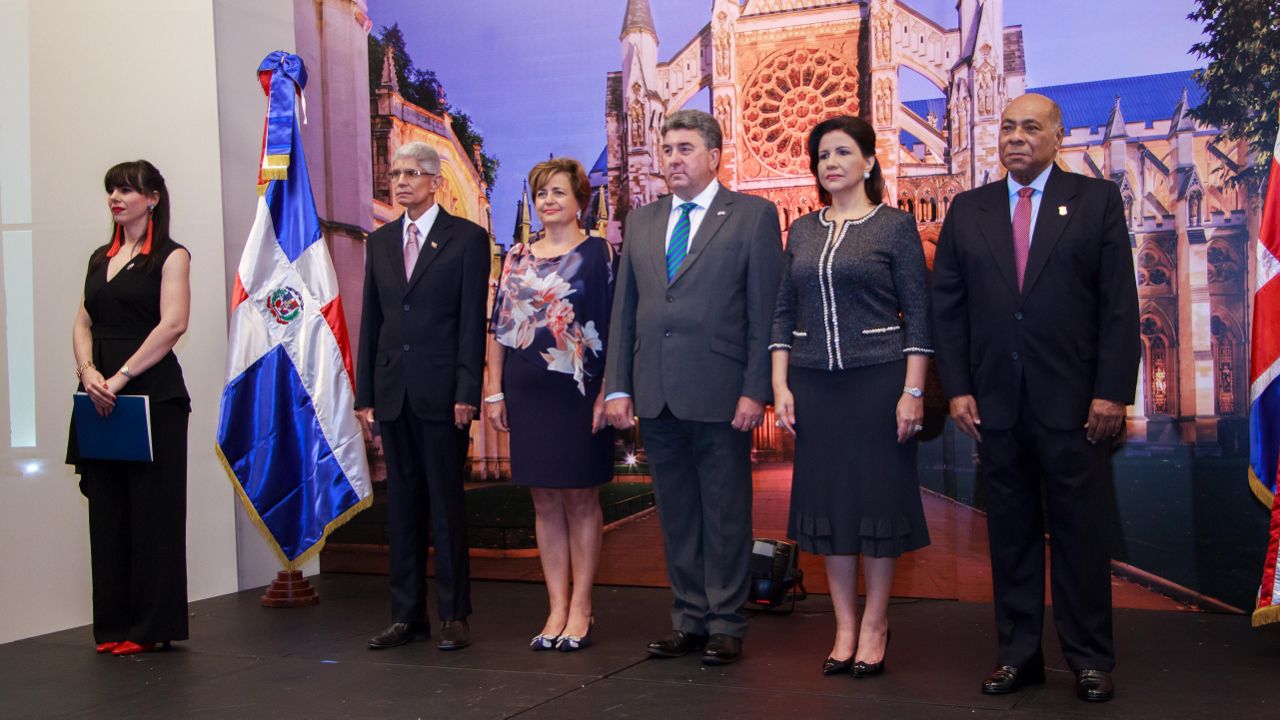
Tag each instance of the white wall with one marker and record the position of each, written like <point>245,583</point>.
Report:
<point>85,84</point>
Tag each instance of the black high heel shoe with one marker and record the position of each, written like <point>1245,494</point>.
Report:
<point>832,666</point>
<point>865,670</point>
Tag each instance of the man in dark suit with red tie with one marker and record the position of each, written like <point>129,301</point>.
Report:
<point>422,335</point>
<point>1036,321</point>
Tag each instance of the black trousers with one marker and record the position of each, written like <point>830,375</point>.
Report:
<point>702,482</point>
<point>1034,471</point>
<point>138,536</point>
<point>425,464</point>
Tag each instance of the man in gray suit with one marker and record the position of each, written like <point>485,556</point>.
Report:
<point>689,355</point>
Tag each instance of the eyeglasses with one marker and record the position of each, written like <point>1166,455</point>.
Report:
<point>409,174</point>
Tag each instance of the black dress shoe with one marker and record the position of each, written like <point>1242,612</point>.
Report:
<point>678,645</point>
<point>454,634</point>
<point>865,669</point>
<point>1094,685</point>
<point>399,634</point>
<point>1008,678</point>
<point>722,649</point>
<point>832,666</point>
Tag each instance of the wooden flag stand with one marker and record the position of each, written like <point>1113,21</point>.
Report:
<point>290,590</point>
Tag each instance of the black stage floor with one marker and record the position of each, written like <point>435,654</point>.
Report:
<point>246,661</point>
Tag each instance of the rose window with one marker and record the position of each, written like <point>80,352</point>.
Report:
<point>788,95</point>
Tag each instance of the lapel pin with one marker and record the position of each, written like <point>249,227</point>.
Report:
<point>1062,210</point>
<point>435,245</point>
<point>719,212</point>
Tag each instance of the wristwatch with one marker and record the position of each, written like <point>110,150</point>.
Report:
<point>914,392</point>
<point>125,372</point>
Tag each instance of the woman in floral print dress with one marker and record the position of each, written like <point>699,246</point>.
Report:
<point>545,386</point>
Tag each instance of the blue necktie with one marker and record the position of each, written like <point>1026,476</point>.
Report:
<point>679,245</point>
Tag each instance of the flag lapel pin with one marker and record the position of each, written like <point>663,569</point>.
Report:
<point>1062,210</point>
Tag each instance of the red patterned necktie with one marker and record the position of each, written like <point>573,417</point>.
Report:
<point>411,251</point>
<point>1022,232</point>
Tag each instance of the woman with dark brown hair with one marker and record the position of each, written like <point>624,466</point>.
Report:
<point>545,383</point>
<point>137,299</point>
<point>850,346</point>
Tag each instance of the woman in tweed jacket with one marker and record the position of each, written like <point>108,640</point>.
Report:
<point>850,345</point>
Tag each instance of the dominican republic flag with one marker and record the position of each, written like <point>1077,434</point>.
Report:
<point>1264,390</point>
<point>288,433</point>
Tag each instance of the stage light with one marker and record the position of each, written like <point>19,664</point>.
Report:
<point>630,459</point>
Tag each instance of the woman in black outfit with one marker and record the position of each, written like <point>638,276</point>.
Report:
<point>850,345</point>
<point>137,297</point>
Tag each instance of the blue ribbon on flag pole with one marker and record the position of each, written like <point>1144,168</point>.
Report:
<point>285,78</point>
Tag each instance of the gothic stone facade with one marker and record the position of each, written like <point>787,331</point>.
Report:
<point>773,68</point>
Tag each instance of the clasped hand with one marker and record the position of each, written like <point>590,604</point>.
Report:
<point>102,392</point>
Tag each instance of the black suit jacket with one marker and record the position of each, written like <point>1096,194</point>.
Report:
<point>1071,334</point>
<point>423,339</point>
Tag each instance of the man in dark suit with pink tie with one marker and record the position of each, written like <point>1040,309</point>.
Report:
<point>1036,321</point>
<point>422,335</point>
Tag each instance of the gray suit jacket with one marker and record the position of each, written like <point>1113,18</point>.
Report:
<point>699,343</point>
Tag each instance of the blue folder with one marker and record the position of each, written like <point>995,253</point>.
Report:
<point>125,434</point>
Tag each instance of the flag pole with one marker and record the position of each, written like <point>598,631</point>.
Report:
<point>288,436</point>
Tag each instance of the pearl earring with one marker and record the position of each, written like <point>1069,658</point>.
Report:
<point>866,175</point>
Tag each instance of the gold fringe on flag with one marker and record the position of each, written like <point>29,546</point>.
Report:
<point>252,512</point>
<point>1260,491</point>
<point>1266,615</point>
<point>275,167</point>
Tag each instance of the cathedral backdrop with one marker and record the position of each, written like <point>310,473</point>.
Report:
<point>769,70</point>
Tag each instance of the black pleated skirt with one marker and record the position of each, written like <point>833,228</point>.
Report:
<point>854,490</point>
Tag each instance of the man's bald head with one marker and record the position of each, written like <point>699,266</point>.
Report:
<point>1030,136</point>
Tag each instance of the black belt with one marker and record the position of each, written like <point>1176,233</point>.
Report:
<point>120,332</point>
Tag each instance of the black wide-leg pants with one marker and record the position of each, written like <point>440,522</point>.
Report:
<point>138,536</point>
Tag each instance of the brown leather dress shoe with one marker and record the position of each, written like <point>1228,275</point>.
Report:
<point>722,650</point>
<point>398,634</point>
<point>454,634</point>
<point>678,645</point>
<point>1094,685</point>
<point>1008,678</point>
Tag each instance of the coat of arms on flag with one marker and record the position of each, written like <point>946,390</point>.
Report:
<point>287,432</point>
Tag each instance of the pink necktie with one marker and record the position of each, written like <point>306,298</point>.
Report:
<point>411,251</point>
<point>1022,232</point>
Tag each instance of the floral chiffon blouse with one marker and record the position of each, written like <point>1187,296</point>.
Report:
<point>554,311</point>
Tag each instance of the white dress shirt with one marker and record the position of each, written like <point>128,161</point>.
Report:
<point>424,223</point>
<point>1038,186</point>
<point>702,200</point>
